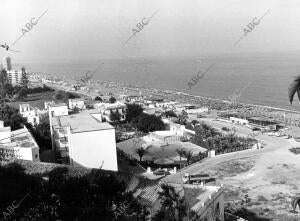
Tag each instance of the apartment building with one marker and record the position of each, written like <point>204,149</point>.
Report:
<point>82,139</point>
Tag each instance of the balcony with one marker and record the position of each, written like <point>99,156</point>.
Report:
<point>61,143</point>
<point>59,133</point>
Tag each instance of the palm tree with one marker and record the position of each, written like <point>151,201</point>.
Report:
<point>141,152</point>
<point>180,153</point>
<point>295,203</point>
<point>173,207</point>
<point>293,88</point>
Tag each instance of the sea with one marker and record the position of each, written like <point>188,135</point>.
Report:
<point>259,78</point>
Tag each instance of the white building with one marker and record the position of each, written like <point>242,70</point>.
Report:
<point>60,109</point>
<point>239,121</point>
<point>107,110</point>
<point>197,110</point>
<point>166,104</point>
<point>30,113</point>
<point>83,140</point>
<point>78,103</point>
<point>14,77</point>
<point>47,104</point>
<point>20,142</point>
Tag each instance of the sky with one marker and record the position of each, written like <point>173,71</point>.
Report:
<point>75,30</point>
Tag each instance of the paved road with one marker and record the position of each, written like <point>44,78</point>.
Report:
<point>270,143</point>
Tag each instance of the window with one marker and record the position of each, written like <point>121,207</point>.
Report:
<point>36,156</point>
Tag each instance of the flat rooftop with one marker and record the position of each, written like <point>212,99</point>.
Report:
<point>20,138</point>
<point>83,121</point>
<point>58,105</point>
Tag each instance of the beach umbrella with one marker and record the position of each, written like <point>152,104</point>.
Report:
<point>293,88</point>
<point>163,161</point>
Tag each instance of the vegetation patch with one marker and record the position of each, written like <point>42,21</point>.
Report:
<point>295,150</point>
<point>233,167</point>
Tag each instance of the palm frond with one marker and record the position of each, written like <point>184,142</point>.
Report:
<point>293,88</point>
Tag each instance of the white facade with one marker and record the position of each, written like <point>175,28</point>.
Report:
<point>47,104</point>
<point>5,134</point>
<point>107,109</point>
<point>197,110</point>
<point>58,110</point>
<point>83,140</point>
<point>21,142</point>
<point>14,77</point>
<point>79,103</point>
<point>86,152</point>
<point>30,113</point>
<point>239,121</point>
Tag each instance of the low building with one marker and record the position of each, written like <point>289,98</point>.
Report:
<point>206,201</point>
<point>107,110</point>
<point>133,98</point>
<point>239,121</point>
<point>166,104</point>
<point>158,148</point>
<point>30,113</point>
<point>20,143</point>
<point>197,110</point>
<point>83,140</point>
<point>47,104</point>
<point>60,109</point>
<point>76,103</point>
<point>153,100</point>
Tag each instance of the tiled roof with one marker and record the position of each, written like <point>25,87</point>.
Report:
<point>147,192</point>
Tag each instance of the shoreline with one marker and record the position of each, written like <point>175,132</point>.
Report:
<point>96,84</point>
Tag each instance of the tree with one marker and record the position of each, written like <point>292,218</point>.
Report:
<point>133,111</point>
<point>112,100</point>
<point>188,155</point>
<point>7,154</point>
<point>97,98</point>
<point>183,117</point>
<point>65,195</point>
<point>148,123</point>
<point>141,152</point>
<point>3,83</point>
<point>170,113</point>
<point>41,133</point>
<point>293,88</point>
<point>173,207</point>
<point>194,122</point>
<point>24,80</point>
<point>295,203</point>
<point>11,117</point>
<point>115,116</point>
<point>181,153</point>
